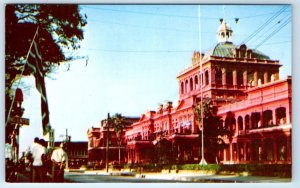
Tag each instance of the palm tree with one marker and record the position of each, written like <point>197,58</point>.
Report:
<point>118,125</point>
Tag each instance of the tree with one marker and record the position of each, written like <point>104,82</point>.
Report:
<point>60,28</point>
<point>214,131</point>
<point>118,126</point>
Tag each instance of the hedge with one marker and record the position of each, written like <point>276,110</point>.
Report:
<point>281,170</point>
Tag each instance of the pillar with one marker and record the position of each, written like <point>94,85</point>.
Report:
<point>250,121</point>
<point>234,77</point>
<point>276,75</point>
<point>245,78</point>
<point>255,78</point>
<point>265,77</point>
<point>274,117</point>
<point>244,124</point>
<point>289,149</point>
<point>262,152</point>
<point>237,152</point>
<point>261,124</point>
<point>204,77</point>
<point>274,149</point>
<point>245,151</point>
<point>231,152</point>
<point>250,151</point>
<point>224,153</point>
<point>223,77</point>
<point>288,115</point>
<point>212,73</point>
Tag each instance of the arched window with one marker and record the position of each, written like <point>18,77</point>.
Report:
<point>255,120</point>
<point>239,78</point>
<point>229,77</point>
<point>267,117</point>
<point>182,88</point>
<point>280,115</point>
<point>218,77</point>
<point>230,122</point>
<point>191,84</point>
<point>186,86</point>
<point>206,78</point>
<point>227,34</point>
<point>247,122</point>
<point>240,122</point>
<point>196,82</point>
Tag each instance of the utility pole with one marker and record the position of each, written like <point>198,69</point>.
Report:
<point>107,141</point>
<point>67,141</point>
<point>203,161</point>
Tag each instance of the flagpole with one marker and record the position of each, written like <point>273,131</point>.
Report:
<point>23,67</point>
<point>203,161</point>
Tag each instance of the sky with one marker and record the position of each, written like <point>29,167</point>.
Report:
<point>135,53</point>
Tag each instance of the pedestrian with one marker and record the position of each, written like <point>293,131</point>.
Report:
<point>59,158</point>
<point>8,160</point>
<point>43,143</point>
<point>37,151</point>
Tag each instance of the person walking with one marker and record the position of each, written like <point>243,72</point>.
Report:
<point>59,158</point>
<point>37,151</point>
<point>43,143</point>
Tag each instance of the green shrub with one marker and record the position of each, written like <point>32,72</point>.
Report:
<point>281,170</point>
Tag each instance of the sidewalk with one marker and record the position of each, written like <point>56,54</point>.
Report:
<point>218,178</point>
<point>194,177</point>
<point>184,177</point>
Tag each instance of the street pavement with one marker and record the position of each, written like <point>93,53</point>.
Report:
<point>129,177</point>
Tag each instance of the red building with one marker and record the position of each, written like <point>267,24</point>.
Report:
<point>97,142</point>
<point>250,99</point>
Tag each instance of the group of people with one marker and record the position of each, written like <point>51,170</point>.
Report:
<point>46,165</point>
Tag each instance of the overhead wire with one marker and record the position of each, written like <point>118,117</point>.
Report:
<point>140,26</point>
<point>268,30</point>
<point>171,15</point>
<point>250,37</point>
<point>274,32</point>
<point>140,51</point>
<point>283,9</point>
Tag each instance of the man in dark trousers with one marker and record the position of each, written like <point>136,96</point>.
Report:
<point>37,151</point>
<point>59,158</point>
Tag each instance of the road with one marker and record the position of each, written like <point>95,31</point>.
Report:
<point>168,178</point>
<point>100,177</point>
<point>96,178</point>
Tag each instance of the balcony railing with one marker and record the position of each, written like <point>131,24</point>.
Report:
<point>265,129</point>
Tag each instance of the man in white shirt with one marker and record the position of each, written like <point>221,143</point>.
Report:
<point>37,151</point>
<point>59,158</point>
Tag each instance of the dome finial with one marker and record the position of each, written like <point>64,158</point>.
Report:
<point>224,33</point>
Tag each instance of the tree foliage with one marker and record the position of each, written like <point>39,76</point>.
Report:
<point>214,131</point>
<point>60,29</point>
<point>118,124</point>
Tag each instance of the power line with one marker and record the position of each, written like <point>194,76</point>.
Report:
<point>270,29</point>
<point>272,43</point>
<point>264,25</point>
<point>274,32</point>
<point>162,51</point>
<point>140,26</point>
<point>140,51</point>
<point>172,15</point>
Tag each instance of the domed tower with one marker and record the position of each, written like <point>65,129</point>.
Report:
<point>224,33</point>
